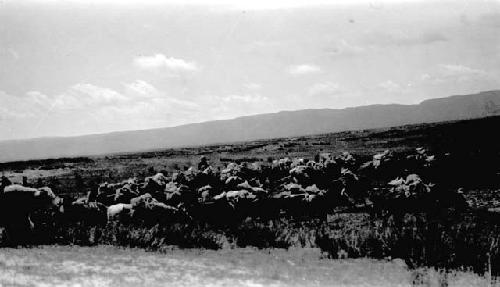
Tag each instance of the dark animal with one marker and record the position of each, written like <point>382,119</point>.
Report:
<point>18,205</point>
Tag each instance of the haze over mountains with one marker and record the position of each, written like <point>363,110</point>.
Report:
<point>263,126</point>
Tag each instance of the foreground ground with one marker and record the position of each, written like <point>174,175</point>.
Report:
<point>113,266</point>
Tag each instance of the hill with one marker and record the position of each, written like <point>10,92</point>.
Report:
<point>264,126</point>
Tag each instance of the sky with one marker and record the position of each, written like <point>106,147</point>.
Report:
<point>83,67</point>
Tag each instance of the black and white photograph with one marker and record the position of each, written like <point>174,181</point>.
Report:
<point>249,143</point>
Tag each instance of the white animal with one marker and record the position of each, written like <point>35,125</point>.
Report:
<point>118,211</point>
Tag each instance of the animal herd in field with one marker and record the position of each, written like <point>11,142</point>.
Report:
<point>289,187</point>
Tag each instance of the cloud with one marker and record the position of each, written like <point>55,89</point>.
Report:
<point>389,86</point>
<point>326,88</point>
<point>9,115</point>
<point>246,98</point>
<point>161,109</point>
<point>38,98</point>
<point>141,89</point>
<point>425,77</point>
<point>159,61</point>
<point>460,71</point>
<point>85,108</point>
<point>92,94</point>
<point>444,73</point>
<point>403,38</point>
<point>85,95</point>
<point>303,69</point>
<point>20,107</point>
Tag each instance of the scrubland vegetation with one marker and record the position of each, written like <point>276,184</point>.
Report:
<point>426,194</point>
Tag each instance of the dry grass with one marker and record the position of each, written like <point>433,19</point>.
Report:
<point>457,241</point>
<point>112,266</point>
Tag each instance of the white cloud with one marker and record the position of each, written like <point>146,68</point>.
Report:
<point>404,38</point>
<point>453,73</point>
<point>93,94</point>
<point>425,77</point>
<point>38,98</point>
<point>326,88</point>
<point>390,86</point>
<point>247,98</point>
<point>82,96</point>
<point>161,61</point>
<point>19,107</point>
<point>86,108</point>
<point>141,89</point>
<point>8,114</point>
<point>304,69</point>
<point>85,95</point>
<point>155,108</point>
<point>460,71</point>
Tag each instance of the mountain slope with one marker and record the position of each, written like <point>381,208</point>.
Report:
<point>282,124</point>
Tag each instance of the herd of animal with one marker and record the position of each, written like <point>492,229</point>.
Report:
<point>284,187</point>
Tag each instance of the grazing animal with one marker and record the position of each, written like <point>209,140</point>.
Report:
<point>18,204</point>
<point>148,210</point>
<point>120,212</point>
<point>81,210</point>
<point>124,195</point>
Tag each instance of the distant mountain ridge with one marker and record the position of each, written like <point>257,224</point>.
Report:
<point>263,126</point>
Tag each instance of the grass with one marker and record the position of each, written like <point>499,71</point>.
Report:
<point>457,240</point>
<point>447,241</point>
<point>112,266</point>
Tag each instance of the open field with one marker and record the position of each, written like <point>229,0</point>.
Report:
<point>112,266</point>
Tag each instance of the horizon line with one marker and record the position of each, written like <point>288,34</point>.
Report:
<point>229,119</point>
